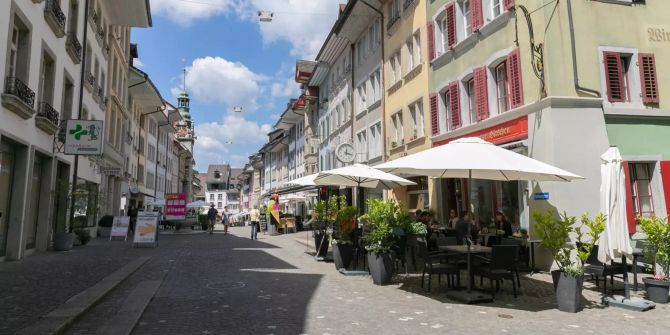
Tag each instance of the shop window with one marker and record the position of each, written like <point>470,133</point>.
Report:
<point>417,195</point>
<point>640,185</point>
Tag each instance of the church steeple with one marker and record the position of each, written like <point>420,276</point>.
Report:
<point>183,106</point>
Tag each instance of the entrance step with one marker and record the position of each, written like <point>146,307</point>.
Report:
<point>131,311</point>
<point>57,321</point>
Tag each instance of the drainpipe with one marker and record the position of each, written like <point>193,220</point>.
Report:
<point>79,109</point>
<point>575,73</point>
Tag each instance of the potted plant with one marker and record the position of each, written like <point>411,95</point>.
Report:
<point>343,229</point>
<point>83,235</point>
<point>382,236</point>
<point>658,250</point>
<point>203,221</point>
<point>105,225</point>
<point>569,279</point>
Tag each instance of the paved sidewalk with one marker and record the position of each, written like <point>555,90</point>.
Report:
<point>39,283</point>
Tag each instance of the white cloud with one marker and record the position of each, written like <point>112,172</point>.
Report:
<point>304,24</point>
<point>217,80</point>
<point>287,88</point>
<point>184,12</point>
<point>138,63</point>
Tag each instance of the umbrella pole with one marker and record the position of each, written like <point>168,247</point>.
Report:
<point>470,279</point>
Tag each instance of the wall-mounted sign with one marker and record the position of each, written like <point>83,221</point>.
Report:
<point>505,132</point>
<point>541,196</point>
<point>83,137</point>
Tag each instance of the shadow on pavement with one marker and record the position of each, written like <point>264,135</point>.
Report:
<point>227,285</point>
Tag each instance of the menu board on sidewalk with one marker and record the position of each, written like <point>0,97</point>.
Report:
<point>146,229</point>
<point>175,206</point>
<point>120,227</point>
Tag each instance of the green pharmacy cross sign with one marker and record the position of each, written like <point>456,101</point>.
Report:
<point>83,137</point>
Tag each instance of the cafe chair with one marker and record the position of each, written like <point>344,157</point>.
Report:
<point>434,264</point>
<point>518,243</point>
<point>502,265</point>
<point>598,269</point>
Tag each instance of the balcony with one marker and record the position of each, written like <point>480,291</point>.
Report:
<point>90,82</point>
<point>73,47</point>
<point>96,92</point>
<point>93,19</point>
<point>55,17</point>
<point>100,36</point>
<point>407,4</point>
<point>100,92</point>
<point>18,98</point>
<point>47,119</point>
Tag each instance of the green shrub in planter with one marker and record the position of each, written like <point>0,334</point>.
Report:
<point>83,235</point>
<point>658,250</point>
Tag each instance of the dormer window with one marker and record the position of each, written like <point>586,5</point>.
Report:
<point>217,174</point>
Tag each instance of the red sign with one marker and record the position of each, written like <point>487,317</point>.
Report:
<point>175,206</point>
<point>505,132</point>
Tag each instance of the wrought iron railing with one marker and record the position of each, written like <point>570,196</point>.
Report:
<point>48,112</point>
<point>101,94</point>
<point>90,79</point>
<point>73,43</point>
<point>408,3</point>
<point>52,7</point>
<point>101,33</point>
<point>14,86</point>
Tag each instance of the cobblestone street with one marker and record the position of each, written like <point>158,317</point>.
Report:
<point>228,284</point>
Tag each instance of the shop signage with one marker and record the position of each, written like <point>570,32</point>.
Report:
<point>175,206</point>
<point>505,132</point>
<point>146,229</point>
<point>112,171</point>
<point>120,227</point>
<point>657,35</point>
<point>83,137</point>
<point>541,196</point>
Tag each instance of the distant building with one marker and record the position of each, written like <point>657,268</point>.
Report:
<point>222,187</point>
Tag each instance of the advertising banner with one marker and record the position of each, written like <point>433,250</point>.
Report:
<point>175,206</point>
<point>120,227</point>
<point>83,137</point>
<point>146,228</point>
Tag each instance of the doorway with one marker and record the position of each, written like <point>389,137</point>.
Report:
<point>35,207</point>
<point>7,167</point>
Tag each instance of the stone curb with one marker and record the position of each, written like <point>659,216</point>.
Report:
<point>132,309</point>
<point>58,320</point>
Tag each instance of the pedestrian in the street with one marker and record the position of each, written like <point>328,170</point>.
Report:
<point>211,217</point>
<point>225,220</point>
<point>254,217</point>
<point>132,213</point>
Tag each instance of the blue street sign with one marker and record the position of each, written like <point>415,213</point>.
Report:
<point>542,196</point>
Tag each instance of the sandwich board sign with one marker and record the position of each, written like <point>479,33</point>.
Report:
<point>146,229</point>
<point>120,227</point>
<point>83,137</point>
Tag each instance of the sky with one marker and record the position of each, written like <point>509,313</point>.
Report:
<point>231,59</point>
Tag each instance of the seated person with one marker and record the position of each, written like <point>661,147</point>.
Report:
<point>462,229</point>
<point>502,224</point>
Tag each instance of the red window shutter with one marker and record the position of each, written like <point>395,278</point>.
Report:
<point>430,31</point>
<point>509,4</point>
<point>613,77</point>
<point>450,17</point>
<point>665,176</point>
<point>434,116</point>
<point>515,83</point>
<point>476,15</point>
<point>481,94</point>
<point>648,78</point>
<point>454,105</point>
<point>630,212</point>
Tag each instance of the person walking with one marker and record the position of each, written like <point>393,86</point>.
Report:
<point>225,220</point>
<point>254,217</point>
<point>211,217</point>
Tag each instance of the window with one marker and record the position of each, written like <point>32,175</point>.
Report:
<point>501,87</point>
<point>467,24</point>
<point>395,67</point>
<point>470,92</point>
<point>360,49</point>
<point>47,78</point>
<point>219,197</point>
<point>13,51</point>
<point>219,205</point>
<point>416,117</point>
<point>394,11</point>
<point>151,180</point>
<point>375,141</point>
<point>496,8</point>
<point>640,185</point>
<point>621,80</point>
<point>151,153</point>
<point>397,137</point>
<point>361,147</point>
<point>410,55</point>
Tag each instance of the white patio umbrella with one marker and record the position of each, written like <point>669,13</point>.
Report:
<point>614,242</point>
<point>303,181</point>
<point>360,175</point>
<point>473,157</point>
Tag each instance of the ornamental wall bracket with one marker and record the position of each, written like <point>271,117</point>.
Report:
<point>537,50</point>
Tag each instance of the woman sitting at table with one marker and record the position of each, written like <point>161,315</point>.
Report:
<point>453,219</point>
<point>503,228</point>
<point>462,229</point>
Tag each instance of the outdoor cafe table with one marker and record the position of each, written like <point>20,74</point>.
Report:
<point>463,249</point>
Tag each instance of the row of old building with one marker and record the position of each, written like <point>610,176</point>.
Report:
<point>72,59</point>
<point>559,81</point>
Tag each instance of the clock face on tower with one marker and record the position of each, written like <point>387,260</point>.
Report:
<point>345,153</point>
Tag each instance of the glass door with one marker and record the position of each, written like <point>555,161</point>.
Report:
<point>6,178</point>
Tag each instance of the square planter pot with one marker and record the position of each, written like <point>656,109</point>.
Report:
<point>569,293</point>
<point>657,290</point>
<point>321,244</point>
<point>63,241</point>
<point>381,268</point>
<point>342,253</point>
<point>104,231</point>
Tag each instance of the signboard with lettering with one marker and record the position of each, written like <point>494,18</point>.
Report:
<point>146,229</point>
<point>505,132</point>
<point>120,227</point>
<point>83,137</point>
<point>541,196</point>
<point>175,206</point>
